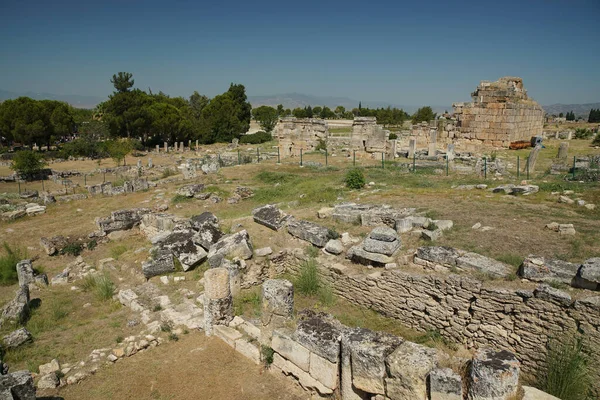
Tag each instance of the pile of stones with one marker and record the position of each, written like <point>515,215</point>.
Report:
<point>377,249</point>
<point>540,269</point>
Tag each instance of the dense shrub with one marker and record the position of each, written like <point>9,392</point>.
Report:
<point>322,145</point>
<point>566,373</point>
<point>596,141</point>
<point>582,133</point>
<point>355,179</point>
<point>8,264</point>
<point>28,163</point>
<point>256,138</point>
<point>393,136</point>
<point>308,282</point>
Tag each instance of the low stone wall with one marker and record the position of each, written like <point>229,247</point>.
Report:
<point>463,309</point>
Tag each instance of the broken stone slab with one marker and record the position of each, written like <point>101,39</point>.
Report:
<point>409,366</point>
<point>477,262</point>
<point>284,344</point>
<point>182,245</point>
<point>208,229</point>
<point>588,274</point>
<point>539,269</point>
<point>320,333</point>
<point>442,255</point>
<point>368,353</point>
<point>52,366</point>
<point>53,245</point>
<point>404,225</point>
<point>445,384</point>
<point>35,210</point>
<point>25,274</point>
<point>381,247</point>
<point>334,246</point>
<point>304,378</point>
<point>325,212</point>
<point>190,190</point>
<point>358,255</point>
<point>309,231</point>
<point>17,386</point>
<point>494,375</point>
<point>350,213</point>
<point>443,224</point>
<point>263,252</point>
<point>121,220</point>
<point>524,190</point>
<point>277,300</point>
<point>231,246</point>
<point>161,263</point>
<point>431,236</point>
<point>507,189</point>
<point>16,338</point>
<point>384,234</point>
<point>48,381</point>
<point>566,229</point>
<point>270,216</point>
<point>17,310</point>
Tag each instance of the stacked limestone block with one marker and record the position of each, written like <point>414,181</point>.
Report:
<point>294,134</point>
<point>368,136</point>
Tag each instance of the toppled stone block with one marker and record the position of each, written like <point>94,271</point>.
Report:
<point>431,236</point>
<point>445,384</point>
<point>409,365</point>
<point>231,246</point>
<point>48,381</point>
<point>181,244</point>
<point>477,262</point>
<point>316,234</point>
<point>291,350</point>
<point>494,375</point>
<point>384,234</point>
<point>17,310</point>
<point>25,273</point>
<point>263,252</point>
<point>270,216</point>
<point>17,386</point>
<point>17,338</point>
<point>588,275</point>
<point>359,255</point>
<point>161,263</point>
<point>121,220</point>
<point>442,255</point>
<point>52,366</point>
<point>190,190</point>
<point>53,245</point>
<point>381,247</point>
<point>208,229</point>
<point>368,353</point>
<point>524,190</point>
<point>334,246</point>
<point>539,269</point>
<point>277,301</point>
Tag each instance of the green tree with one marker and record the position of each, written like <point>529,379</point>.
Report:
<point>27,164</point>
<point>423,114</point>
<point>122,82</point>
<point>317,110</point>
<point>308,112</point>
<point>221,117</point>
<point>326,113</point>
<point>267,117</point>
<point>340,111</point>
<point>118,149</point>
<point>280,110</point>
<point>243,109</point>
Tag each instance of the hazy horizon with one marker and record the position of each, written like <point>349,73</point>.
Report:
<point>414,54</point>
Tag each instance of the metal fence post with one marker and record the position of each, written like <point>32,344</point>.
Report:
<point>527,168</point>
<point>354,158</point>
<point>326,161</point>
<point>257,155</point>
<point>573,167</point>
<point>300,157</point>
<point>484,167</point>
<point>414,163</point>
<point>104,177</point>
<point>278,159</point>
<point>447,164</point>
<point>382,162</point>
<point>19,183</point>
<point>518,167</point>
<point>84,180</point>
<point>43,189</point>
<point>239,161</point>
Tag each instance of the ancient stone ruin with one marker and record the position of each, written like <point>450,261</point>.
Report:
<point>501,113</point>
<point>294,134</point>
<point>368,136</point>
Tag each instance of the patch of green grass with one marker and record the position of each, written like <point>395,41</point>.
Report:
<point>180,199</point>
<point>217,190</point>
<point>117,251</point>
<point>119,339</point>
<point>59,310</point>
<point>166,327</point>
<point>173,337</point>
<point>72,249</point>
<point>511,259</point>
<point>271,177</point>
<point>267,354</point>
<point>566,372</point>
<point>249,301</point>
<point>8,263</point>
<point>308,281</point>
<point>167,172</point>
<point>433,338</point>
<point>105,288</point>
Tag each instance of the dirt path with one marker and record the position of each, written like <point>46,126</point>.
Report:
<point>195,367</point>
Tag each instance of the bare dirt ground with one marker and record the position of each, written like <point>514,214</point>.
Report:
<point>195,367</point>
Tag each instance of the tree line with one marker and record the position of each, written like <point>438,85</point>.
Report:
<point>594,115</point>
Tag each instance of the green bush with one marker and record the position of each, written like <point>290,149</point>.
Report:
<point>322,145</point>
<point>167,172</point>
<point>105,288</point>
<point>8,264</point>
<point>256,138</point>
<point>267,354</point>
<point>393,136</point>
<point>27,163</point>
<point>566,373</point>
<point>355,179</point>
<point>72,249</point>
<point>308,282</point>
<point>582,133</point>
<point>118,251</point>
<point>596,141</point>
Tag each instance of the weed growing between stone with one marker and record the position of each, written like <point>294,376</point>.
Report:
<point>8,260</point>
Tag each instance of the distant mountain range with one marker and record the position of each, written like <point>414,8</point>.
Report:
<point>580,110</point>
<point>294,100</point>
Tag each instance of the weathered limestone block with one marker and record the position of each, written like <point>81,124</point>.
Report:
<point>17,310</point>
<point>320,333</point>
<point>53,245</point>
<point>181,244</point>
<point>538,269</point>
<point>359,255</point>
<point>531,393</point>
<point>588,275</point>
<point>474,261</point>
<point>227,334</point>
<point>334,246</point>
<point>17,386</point>
<point>350,212</point>
<point>409,365</point>
<point>154,224</point>
<point>304,378</point>
<point>190,190</point>
<point>230,246</point>
<point>550,294</point>
<point>270,216</point>
<point>121,220</point>
<point>445,384</point>
<point>368,352</point>
<point>248,349</point>
<point>316,234</point>
<point>494,375</point>
<point>48,381</point>
<point>284,344</point>
<point>161,263</point>
<point>442,255</point>
<point>563,150</point>
<point>277,302</point>
<point>16,338</point>
<point>25,273</point>
<point>52,366</point>
<point>381,247</point>
<point>208,229</point>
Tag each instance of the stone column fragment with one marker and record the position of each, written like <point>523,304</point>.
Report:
<point>218,303</point>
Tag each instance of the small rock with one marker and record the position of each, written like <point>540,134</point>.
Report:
<point>334,246</point>
<point>263,252</point>
<point>476,226</point>
<point>565,199</point>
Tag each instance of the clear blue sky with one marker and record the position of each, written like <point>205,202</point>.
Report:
<point>414,52</point>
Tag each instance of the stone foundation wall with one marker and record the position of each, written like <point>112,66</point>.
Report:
<point>368,136</point>
<point>294,134</point>
<point>465,310</point>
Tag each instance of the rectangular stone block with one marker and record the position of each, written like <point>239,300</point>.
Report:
<point>227,334</point>
<point>324,371</point>
<point>291,350</point>
<point>247,349</point>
